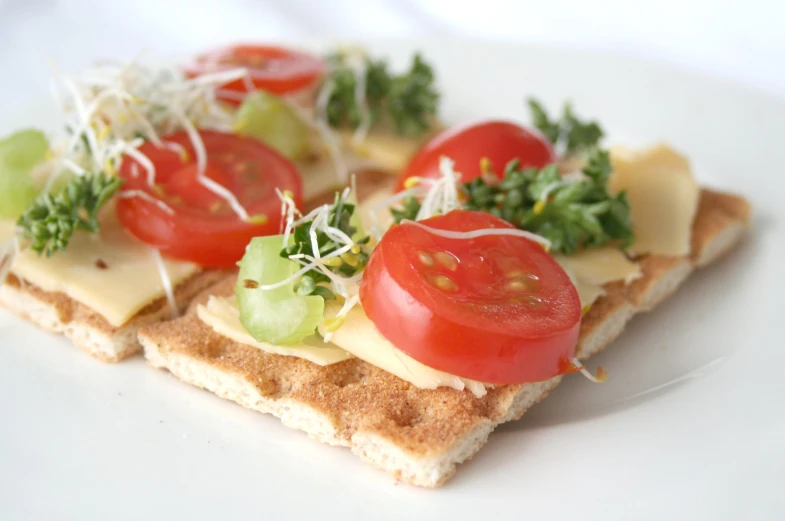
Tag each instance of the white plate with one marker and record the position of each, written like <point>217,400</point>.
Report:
<point>689,426</point>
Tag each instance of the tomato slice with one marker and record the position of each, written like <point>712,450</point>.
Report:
<point>495,308</point>
<point>467,145</point>
<point>199,225</point>
<point>271,68</point>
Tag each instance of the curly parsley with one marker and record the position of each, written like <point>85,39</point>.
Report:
<point>409,100</point>
<point>572,213</point>
<point>51,220</point>
<point>569,132</point>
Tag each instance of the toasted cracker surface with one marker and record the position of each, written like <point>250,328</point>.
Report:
<point>89,330</point>
<point>419,436</point>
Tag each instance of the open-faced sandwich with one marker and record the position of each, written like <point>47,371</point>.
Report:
<point>403,318</point>
<point>165,174</point>
<point>406,325</point>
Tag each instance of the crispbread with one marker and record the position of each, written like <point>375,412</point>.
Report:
<point>86,328</point>
<point>417,435</point>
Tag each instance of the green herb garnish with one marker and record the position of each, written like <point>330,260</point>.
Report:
<point>568,132</point>
<point>348,264</point>
<point>571,213</point>
<point>51,219</point>
<point>408,211</point>
<point>409,99</point>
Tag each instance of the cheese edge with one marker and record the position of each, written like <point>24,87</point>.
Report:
<point>220,315</point>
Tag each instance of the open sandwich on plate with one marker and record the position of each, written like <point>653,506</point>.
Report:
<point>407,325</point>
<point>403,316</point>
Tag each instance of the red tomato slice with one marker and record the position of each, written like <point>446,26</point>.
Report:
<point>274,69</point>
<point>467,145</point>
<point>203,228</point>
<point>497,309</point>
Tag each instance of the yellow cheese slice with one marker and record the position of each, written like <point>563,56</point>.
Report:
<point>589,269</point>
<point>600,265</point>
<point>663,197</point>
<point>379,151</point>
<point>359,336</point>
<point>129,281</point>
<point>588,293</point>
<point>319,176</point>
<point>222,315</point>
<point>383,149</point>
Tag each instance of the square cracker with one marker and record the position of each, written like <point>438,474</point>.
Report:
<point>419,436</point>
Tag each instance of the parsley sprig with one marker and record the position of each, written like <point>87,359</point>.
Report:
<point>349,264</point>
<point>409,209</point>
<point>569,132</point>
<point>51,220</point>
<point>571,214</point>
<point>409,99</point>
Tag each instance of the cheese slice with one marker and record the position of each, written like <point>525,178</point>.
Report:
<point>222,315</point>
<point>589,269</point>
<point>110,272</point>
<point>600,265</point>
<point>587,293</point>
<point>319,176</point>
<point>663,197</point>
<point>382,148</point>
<point>359,336</point>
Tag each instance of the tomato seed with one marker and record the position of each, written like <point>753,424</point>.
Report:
<point>425,258</point>
<point>516,285</point>
<point>446,260</point>
<point>444,283</point>
<point>529,300</point>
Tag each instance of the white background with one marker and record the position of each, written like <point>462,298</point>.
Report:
<point>741,40</point>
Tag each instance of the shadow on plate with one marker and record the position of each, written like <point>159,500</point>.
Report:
<point>663,351</point>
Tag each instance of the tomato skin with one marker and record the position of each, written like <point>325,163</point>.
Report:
<point>474,329</point>
<point>499,141</point>
<point>203,228</point>
<point>274,69</point>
